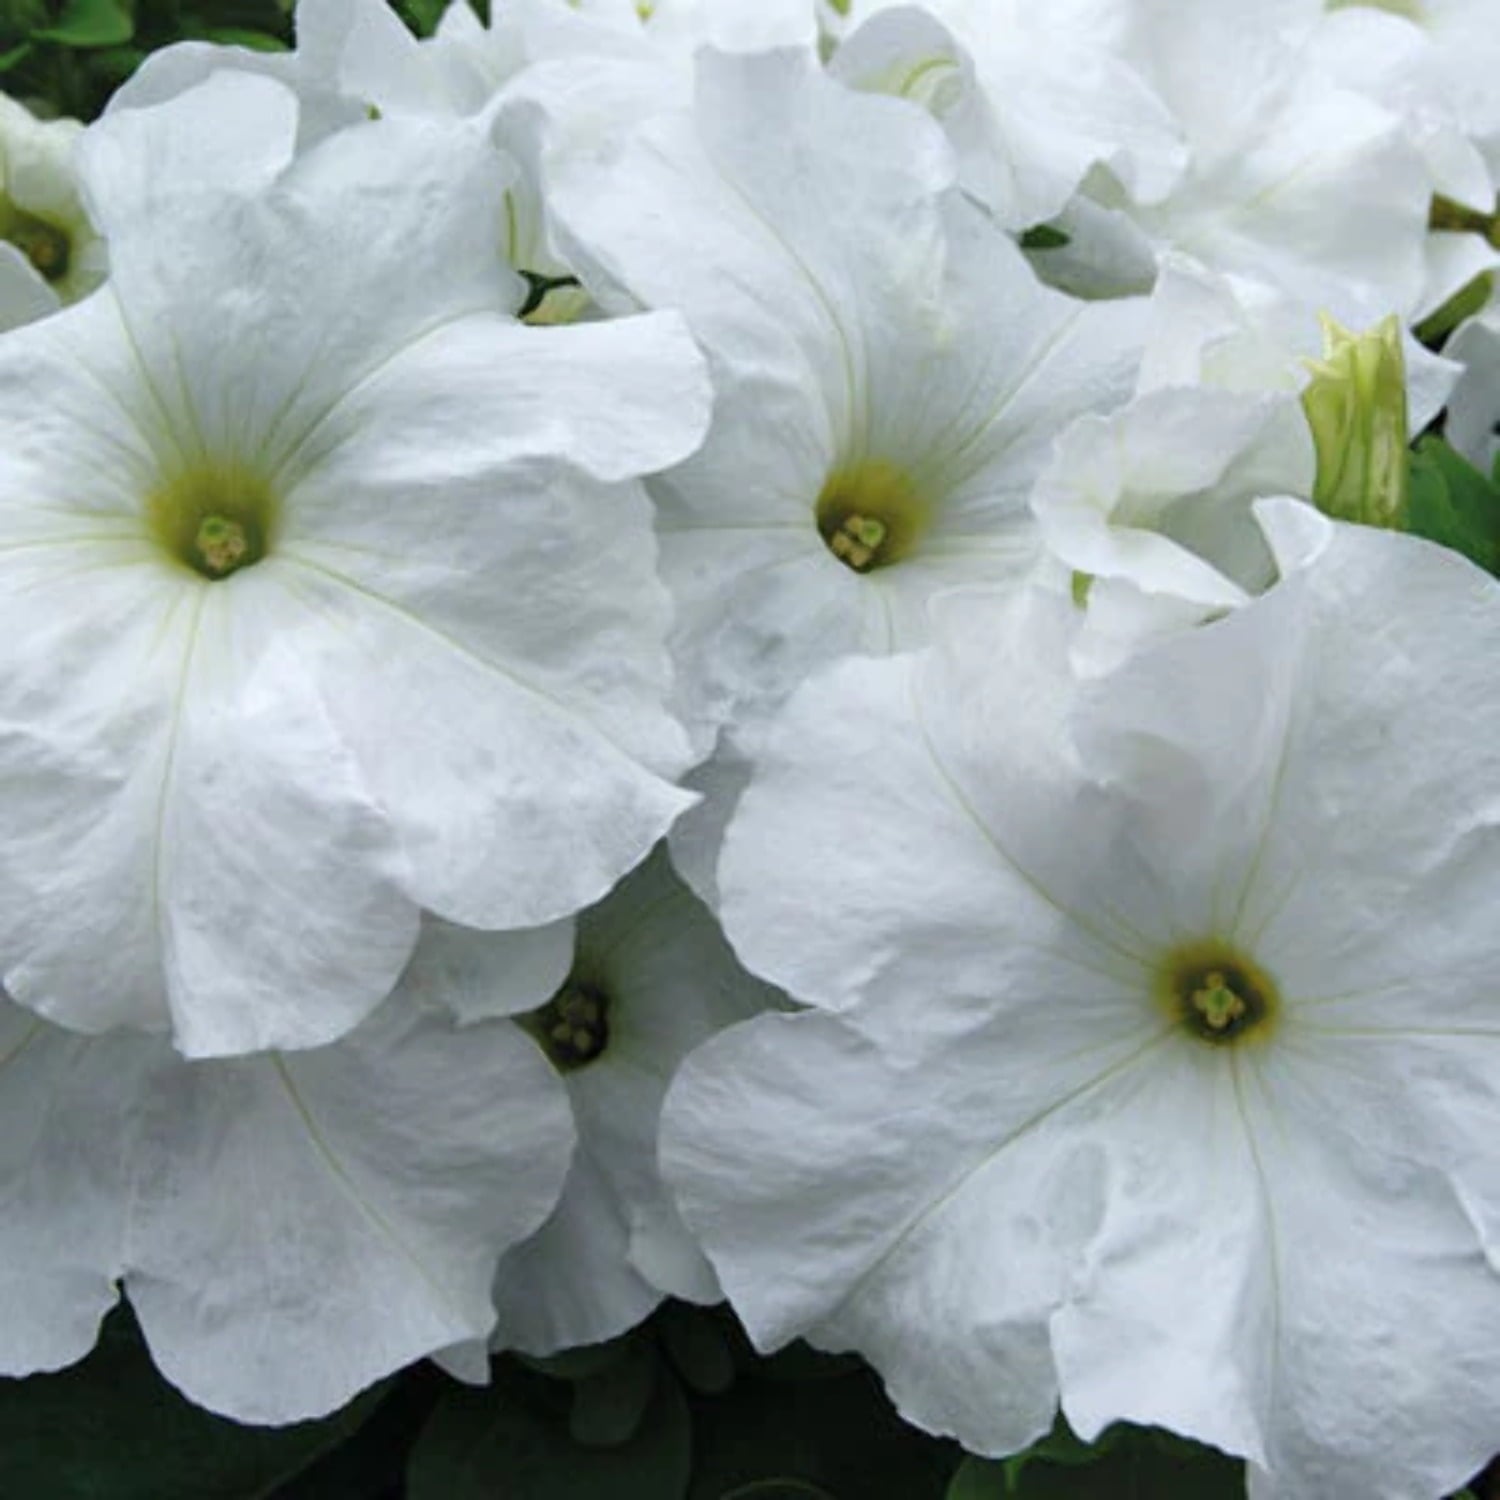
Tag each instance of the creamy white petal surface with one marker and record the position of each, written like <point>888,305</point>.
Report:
<point>288,1228</point>
<point>1115,982</point>
<point>430,671</point>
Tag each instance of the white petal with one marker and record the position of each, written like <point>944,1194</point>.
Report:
<point>572,1283</point>
<point>481,975</point>
<point>303,1225</point>
<point>67,1105</point>
<point>233,132</point>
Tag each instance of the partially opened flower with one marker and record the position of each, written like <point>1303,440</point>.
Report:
<point>1151,507</point>
<point>336,592</point>
<point>50,253</point>
<point>288,1228</point>
<point>1157,1065</point>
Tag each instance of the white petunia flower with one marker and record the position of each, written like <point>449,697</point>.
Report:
<point>615,1002</point>
<point>336,591</point>
<point>288,1228</point>
<point>889,373</point>
<point>1168,1069</point>
<point>50,253</point>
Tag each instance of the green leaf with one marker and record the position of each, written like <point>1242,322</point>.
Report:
<point>1063,1446</point>
<point>111,1426</point>
<point>698,1347</point>
<point>367,1465</point>
<point>838,1436</point>
<point>15,55</point>
<point>609,1406</point>
<point>981,1479</point>
<point>421,16</point>
<point>579,1363</point>
<point>1044,237</point>
<point>1454,504</point>
<point>238,36</point>
<point>512,1441</point>
<point>1127,1464</point>
<point>778,1489</point>
<point>89,23</point>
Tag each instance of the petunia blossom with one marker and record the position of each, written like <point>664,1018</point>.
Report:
<point>336,588</point>
<point>1155,1068</point>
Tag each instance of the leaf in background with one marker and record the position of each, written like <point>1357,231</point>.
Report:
<point>512,1441</point>
<point>1130,1464</point>
<point>609,1405</point>
<point>421,16</point>
<point>369,1465</point>
<point>236,36</point>
<point>15,55</point>
<point>778,1489</point>
<point>696,1342</point>
<point>799,1361</point>
<point>1451,502</point>
<point>838,1435</point>
<point>111,1426</point>
<point>580,1363</point>
<point>1044,237</point>
<point>89,23</point>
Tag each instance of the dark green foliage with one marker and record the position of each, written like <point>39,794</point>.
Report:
<point>110,1428</point>
<point>513,1440</point>
<point>66,57</point>
<point>1044,237</point>
<point>1452,502</point>
<point>1127,1463</point>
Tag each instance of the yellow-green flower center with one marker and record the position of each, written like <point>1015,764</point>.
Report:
<point>1217,993</point>
<point>870,515</point>
<point>214,519</point>
<point>45,245</point>
<point>573,1026</point>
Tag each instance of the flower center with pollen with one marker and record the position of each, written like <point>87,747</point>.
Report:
<point>870,515</point>
<point>1217,994</point>
<point>573,1026</point>
<point>44,245</point>
<point>213,518</point>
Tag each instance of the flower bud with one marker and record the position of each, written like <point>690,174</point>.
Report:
<point>1356,407</point>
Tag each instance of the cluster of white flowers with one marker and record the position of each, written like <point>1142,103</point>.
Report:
<point>899,467</point>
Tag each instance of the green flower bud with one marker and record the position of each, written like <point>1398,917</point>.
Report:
<point>1356,407</point>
